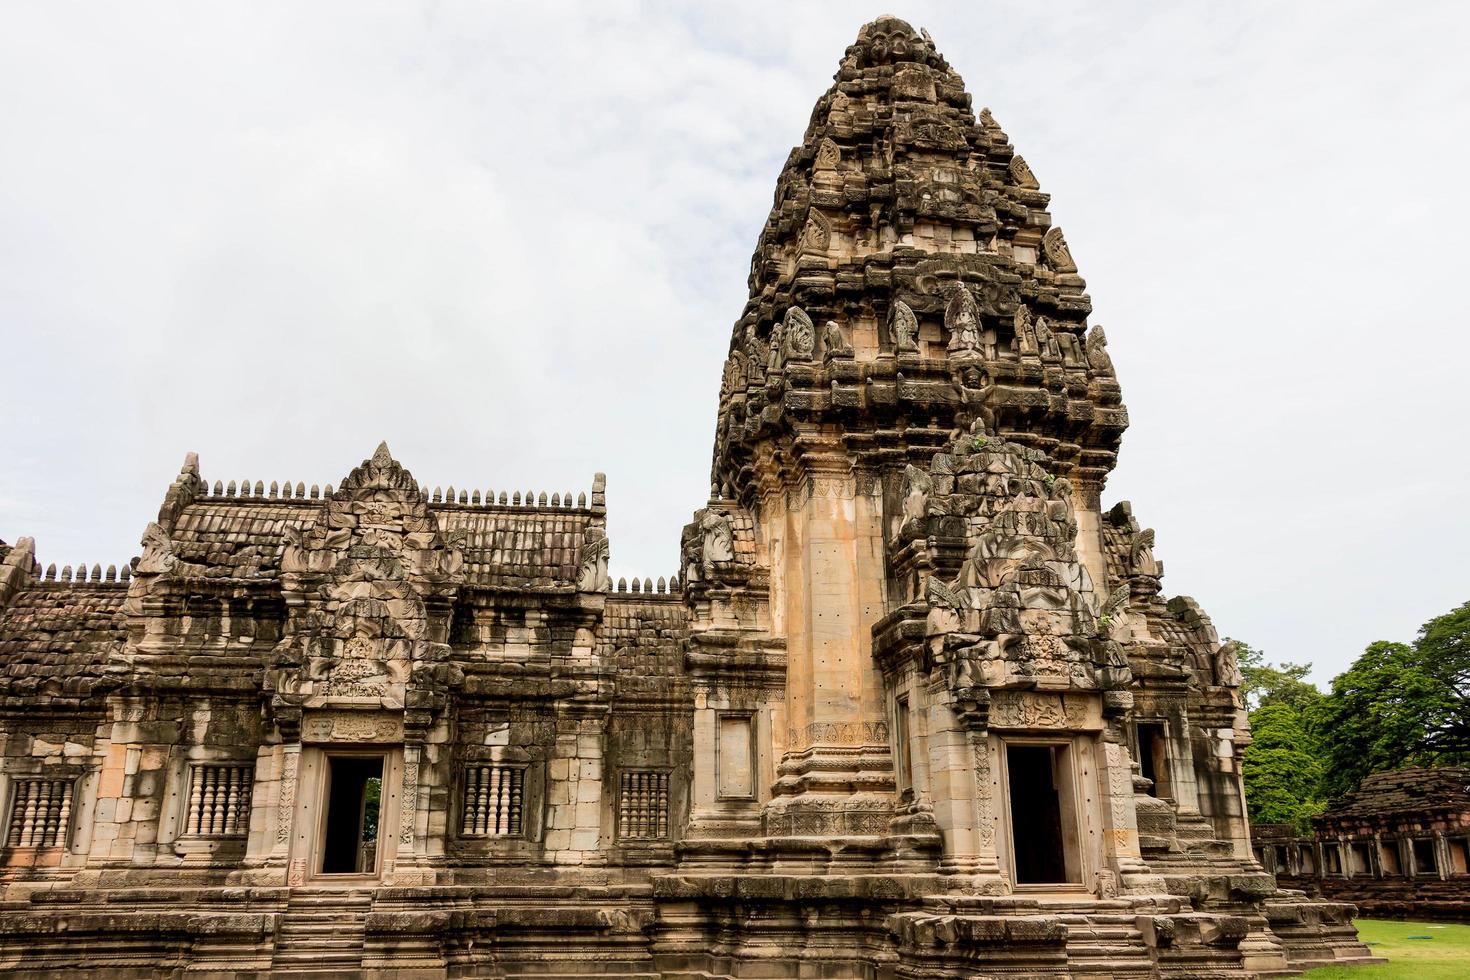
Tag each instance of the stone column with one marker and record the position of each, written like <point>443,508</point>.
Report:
<point>836,776</point>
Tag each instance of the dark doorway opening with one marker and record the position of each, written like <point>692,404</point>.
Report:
<point>1153,757</point>
<point>354,798</point>
<point>1041,819</point>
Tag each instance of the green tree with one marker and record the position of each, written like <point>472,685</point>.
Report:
<point>1282,767</point>
<point>1400,705</point>
<point>1263,683</point>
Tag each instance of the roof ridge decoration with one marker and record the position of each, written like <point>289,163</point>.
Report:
<point>379,472</point>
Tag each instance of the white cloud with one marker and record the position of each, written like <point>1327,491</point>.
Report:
<point>512,241</point>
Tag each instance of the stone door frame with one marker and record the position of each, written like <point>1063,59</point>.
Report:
<point>1081,767</point>
<point>311,812</point>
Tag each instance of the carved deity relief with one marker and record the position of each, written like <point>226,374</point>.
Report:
<point>1025,332</point>
<point>1022,609</point>
<point>903,327</point>
<point>776,349</point>
<point>962,320</point>
<point>1054,246</point>
<point>357,581</point>
<point>1046,340</point>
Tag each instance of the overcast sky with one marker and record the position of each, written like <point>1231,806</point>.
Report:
<point>512,242</point>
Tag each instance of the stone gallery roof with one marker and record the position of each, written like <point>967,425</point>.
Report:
<point>1405,791</point>
<point>55,639</point>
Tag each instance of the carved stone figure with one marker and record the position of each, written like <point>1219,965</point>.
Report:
<point>776,348</point>
<point>1046,340</point>
<point>903,327</point>
<point>916,489</point>
<point>717,540</point>
<point>1097,353</point>
<point>1227,665</point>
<point>962,320</point>
<point>834,343</point>
<point>158,552</point>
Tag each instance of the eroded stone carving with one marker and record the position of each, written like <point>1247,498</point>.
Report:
<point>962,320</point>
<point>903,327</point>
<point>801,335</point>
<point>593,576</point>
<point>833,342</point>
<point>1054,246</point>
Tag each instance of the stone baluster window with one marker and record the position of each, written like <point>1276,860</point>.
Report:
<point>40,810</point>
<point>643,805</point>
<point>219,800</point>
<point>494,800</point>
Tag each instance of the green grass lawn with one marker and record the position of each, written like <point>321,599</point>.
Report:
<point>1444,956</point>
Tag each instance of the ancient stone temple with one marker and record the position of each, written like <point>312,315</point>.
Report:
<point>1397,846</point>
<point>912,705</point>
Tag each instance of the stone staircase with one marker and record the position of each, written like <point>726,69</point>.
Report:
<point>322,933</point>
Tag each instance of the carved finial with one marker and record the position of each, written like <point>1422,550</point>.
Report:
<point>112,573</point>
<point>381,456</point>
<point>828,155</point>
<point>581,499</point>
<point>622,585</point>
<point>259,489</point>
<point>662,585</point>
<point>230,490</point>
<point>316,492</point>
<point>475,497</point>
<point>275,489</point>
<point>96,572</point>
<point>300,490</point>
<point>1054,246</point>
<point>800,334</point>
<point>126,572</point>
<point>218,490</point>
<point>51,572</point>
<point>1022,174</point>
<point>541,500</point>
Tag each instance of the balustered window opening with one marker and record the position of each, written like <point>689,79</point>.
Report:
<point>219,799</point>
<point>643,805</point>
<point>40,812</point>
<point>494,800</point>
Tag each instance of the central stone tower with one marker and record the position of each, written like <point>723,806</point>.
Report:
<point>935,682</point>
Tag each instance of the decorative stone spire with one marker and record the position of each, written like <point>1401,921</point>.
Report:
<point>916,230</point>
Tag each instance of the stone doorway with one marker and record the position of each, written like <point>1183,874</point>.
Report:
<point>1045,848</point>
<point>352,814</point>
